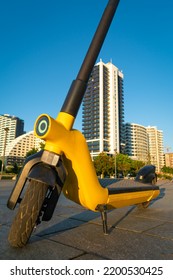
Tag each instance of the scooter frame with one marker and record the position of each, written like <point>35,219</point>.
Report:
<point>62,142</point>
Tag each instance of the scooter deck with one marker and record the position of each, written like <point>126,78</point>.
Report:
<point>121,186</point>
<point>125,193</point>
<point>129,192</point>
<point>124,183</point>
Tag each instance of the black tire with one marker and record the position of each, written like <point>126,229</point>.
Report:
<point>154,181</point>
<point>28,213</point>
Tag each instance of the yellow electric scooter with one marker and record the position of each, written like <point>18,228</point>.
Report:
<point>65,163</point>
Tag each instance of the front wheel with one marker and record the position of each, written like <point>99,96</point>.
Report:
<point>28,213</point>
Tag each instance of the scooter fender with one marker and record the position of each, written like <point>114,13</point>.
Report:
<point>147,175</point>
<point>54,178</point>
<point>43,173</point>
<point>35,169</point>
<point>30,162</point>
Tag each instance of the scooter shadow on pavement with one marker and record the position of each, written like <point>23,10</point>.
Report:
<point>70,222</point>
<point>86,216</point>
<point>160,196</point>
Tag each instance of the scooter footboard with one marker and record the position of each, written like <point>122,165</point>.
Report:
<point>128,193</point>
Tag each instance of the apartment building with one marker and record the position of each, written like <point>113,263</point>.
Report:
<point>17,149</point>
<point>136,142</point>
<point>10,128</point>
<point>155,144</point>
<point>103,110</point>
<point>144,144</point>
<point>169,160</point>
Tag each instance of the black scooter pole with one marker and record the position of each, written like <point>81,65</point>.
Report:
<point>78,87</point>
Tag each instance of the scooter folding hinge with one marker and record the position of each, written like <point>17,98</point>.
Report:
<point>102,208</point>
<point>50,158</point>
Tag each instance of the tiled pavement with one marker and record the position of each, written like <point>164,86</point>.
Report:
<point>76,233</point>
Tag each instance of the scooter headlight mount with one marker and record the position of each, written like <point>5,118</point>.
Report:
<point>45,128</point>
<point>42,125</point>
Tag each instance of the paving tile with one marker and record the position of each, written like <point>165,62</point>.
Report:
<point>76,233</point>
<point>138,224</point>
<point>37,249</point>
<point>165,231</point>
<point>119,244</point>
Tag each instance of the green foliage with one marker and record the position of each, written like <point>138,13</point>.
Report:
<point>34,151</point>
<point>164,176</point>
<point>123,163</point>
<point>31,152</point>
<point>105,165</point>
<point>135,166</point>
<point>42,145</point>
<point>9,169</point>
<point>166,169</point>
<point>14,169</point>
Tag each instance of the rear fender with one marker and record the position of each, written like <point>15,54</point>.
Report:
<point>146,174</point>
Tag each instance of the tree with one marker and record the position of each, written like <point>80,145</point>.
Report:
<point>31,152</point>
<point>15,168</point>
<point>42,145</point>
<point>167,169</point>
<point>123,163</point>
<point>104,165</point>
<point>34,150</point>
<point>135,166</point>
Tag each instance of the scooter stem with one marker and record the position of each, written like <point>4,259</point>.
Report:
<point>77,90</point>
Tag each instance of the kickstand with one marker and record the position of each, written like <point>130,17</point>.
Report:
<point>103,212</point>
<point>104,221</point>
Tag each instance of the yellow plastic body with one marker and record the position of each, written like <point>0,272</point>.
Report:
<point>82,185</point>
<point>131,198</point>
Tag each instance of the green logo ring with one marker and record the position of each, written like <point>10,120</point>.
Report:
<point>42,126</point>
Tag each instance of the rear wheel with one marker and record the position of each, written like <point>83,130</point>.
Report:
<point>28,213</point>
<point>144,205</point>
<point>154,181</point>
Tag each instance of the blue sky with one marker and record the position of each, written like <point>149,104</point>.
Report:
<point>43,43</point>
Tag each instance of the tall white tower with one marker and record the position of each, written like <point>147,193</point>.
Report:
<point>10,128</point>
<point>103,110</point>
<point>156,149</point>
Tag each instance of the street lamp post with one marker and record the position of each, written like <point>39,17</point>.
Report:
<point>115,164</point>
<point>115,151</point>
<point>5,142</point>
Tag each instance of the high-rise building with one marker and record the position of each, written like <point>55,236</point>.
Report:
<point>169,160</point>
<point>10,128</point>
<point>103,110</point>
<point>144,144</point>
<point>136,141</point>
<point>156,149</point>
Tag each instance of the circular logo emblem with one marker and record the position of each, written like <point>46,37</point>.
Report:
<point>42,126</point>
